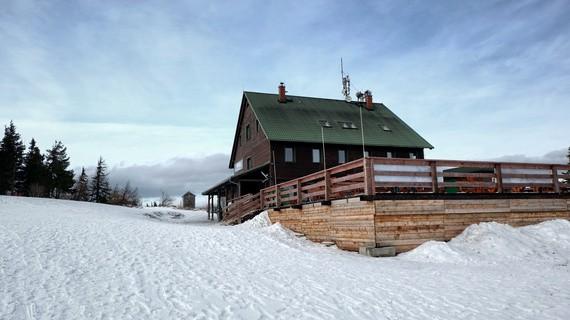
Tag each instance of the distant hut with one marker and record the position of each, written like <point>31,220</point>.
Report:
<point>189,200</point>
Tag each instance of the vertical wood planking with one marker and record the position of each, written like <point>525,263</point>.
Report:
<point>433,167</point>
<point>499,177</point>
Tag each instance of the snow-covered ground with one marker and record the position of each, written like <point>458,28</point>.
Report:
<point>70,260</point>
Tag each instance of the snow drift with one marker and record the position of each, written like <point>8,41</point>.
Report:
<point>492,242</point>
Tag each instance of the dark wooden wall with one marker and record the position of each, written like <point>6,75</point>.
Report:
<point>304,165</point>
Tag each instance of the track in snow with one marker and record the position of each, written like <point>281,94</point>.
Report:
<point>70,260</point>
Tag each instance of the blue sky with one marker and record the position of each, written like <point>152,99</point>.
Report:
<point>154,86</point>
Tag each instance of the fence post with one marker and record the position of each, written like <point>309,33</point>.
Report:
<point>434,178</point>
<point>277,196</point>
<point>555,181</point>
<point>327,180</point>
<point>299,192</point>
<point>369,181</point>
<point>499,177</point>
<point>261,198</point>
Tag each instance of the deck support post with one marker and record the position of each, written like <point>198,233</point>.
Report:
<point>208,210</point>
<point>219,207</point>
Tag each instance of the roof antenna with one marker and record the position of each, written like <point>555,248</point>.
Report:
<point>345,83</point>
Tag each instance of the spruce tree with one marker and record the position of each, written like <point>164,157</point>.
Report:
<point>11,159</point>
<point>81,188</point>
<point>100,190</point>
<point>34,172</point>
<point>60,178</point>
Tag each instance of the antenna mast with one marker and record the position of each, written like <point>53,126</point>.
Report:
<point>345,83</point>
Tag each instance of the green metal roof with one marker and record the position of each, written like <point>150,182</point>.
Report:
<point>298,120</point>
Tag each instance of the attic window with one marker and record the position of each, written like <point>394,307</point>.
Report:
<point>385,127</point>
<point>347,125</point>
<point>325,124</point>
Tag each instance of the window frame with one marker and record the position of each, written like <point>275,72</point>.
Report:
<point>319,155</point>
<point>247,133</point>
<point>292,154</point>
<point>343,153</point>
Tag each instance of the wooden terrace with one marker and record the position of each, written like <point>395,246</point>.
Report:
<point>372,176</point>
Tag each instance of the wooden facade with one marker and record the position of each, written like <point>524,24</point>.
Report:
<point>405,222</point>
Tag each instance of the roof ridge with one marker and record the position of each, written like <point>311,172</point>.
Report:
<point>310,97</point>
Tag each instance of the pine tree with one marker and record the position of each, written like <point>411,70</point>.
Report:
<point>11,159</point>
<point>100,190</point>
<point>34,172</point>
<point>60,178</point>
<point>81,188</point>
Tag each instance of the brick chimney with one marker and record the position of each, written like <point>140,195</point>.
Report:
<point>368,99</point>
<point>282,96</point>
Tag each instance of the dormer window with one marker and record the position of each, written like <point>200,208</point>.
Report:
<point>347,125</point>
<point>385,128</point>
<point>325,124</point>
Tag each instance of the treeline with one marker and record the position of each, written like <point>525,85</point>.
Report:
<point>33,174</point>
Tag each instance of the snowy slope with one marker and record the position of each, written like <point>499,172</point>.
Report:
<point>70,260</point>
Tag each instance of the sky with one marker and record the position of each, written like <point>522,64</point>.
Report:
<point>154,87</point>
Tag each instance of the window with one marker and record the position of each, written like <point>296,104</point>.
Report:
<point>256,125</point>
<point>239,140</point>
<point>325,124</point>
<point>385,127</point>
<point>347,125</point>
<point>341,156</point>
<point>238,166</point>
<point>388,154</point>
<point>247,133</point>
<point>366,154</point>
<point>316,155</point>
<point>412,155</point>
<point>289,155</point>
<point>248,163</point>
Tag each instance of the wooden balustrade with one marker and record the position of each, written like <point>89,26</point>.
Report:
<point>376,175</point>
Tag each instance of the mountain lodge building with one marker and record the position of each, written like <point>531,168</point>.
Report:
<point>281,137</point>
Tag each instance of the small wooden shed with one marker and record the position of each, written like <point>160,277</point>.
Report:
<point>189,200</point>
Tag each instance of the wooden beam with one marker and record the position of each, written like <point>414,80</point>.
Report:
<point>499,177</point>
<point>299,192</point>
<point>327,179</point>
<point>555,181</point>
<point>434,186</point>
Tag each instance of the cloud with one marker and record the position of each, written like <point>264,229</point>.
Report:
<point>175,176</point>
<point>556,156</point>
<point>153,80</point>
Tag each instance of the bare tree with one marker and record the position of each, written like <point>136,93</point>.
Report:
<point>165,199</point>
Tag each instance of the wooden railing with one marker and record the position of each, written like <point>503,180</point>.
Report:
<point>373,175</point>
<point>379,175</point>
<point>338,182</point>
<point>240,207</point>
